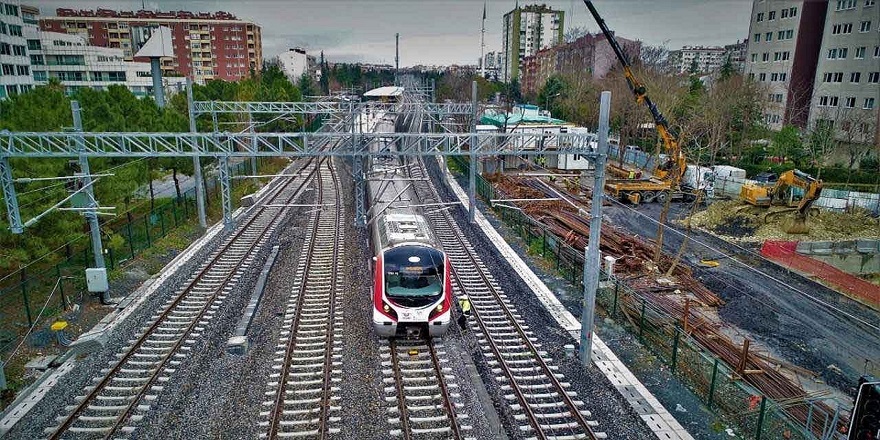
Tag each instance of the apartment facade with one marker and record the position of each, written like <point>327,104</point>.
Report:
<point>76,64</point>
<point>527,30</point>
<point>699,59</point>
<point>492,64</point>
<point>590,55</point>
<point>15,71</point>
<point>784,43</point>
<point>847,88</point>
<point>206,45</point>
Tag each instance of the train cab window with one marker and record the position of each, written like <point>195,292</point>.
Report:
<point>414,275</point>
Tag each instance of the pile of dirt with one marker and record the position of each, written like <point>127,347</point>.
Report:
<point>735,221</point>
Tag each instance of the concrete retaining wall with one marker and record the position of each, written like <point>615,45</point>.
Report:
<point>853,256</point>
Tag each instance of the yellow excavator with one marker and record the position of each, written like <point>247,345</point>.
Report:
<point>764,197</point>
<point>667,177</point>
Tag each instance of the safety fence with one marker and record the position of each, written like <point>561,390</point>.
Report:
<point>59,277</point>
<point>716,383</point>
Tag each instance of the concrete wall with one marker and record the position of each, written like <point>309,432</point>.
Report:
<point>854,256</point>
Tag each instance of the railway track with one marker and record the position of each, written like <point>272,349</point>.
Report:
<point>124,391</point>
<point>421,391</point>
<point>537,396</point>
<point>302,395</point>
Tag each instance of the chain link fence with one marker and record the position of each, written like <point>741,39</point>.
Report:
<point>716,383</point>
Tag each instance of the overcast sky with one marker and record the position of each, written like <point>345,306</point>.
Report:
<point>445,32</point>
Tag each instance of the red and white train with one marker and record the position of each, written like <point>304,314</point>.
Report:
<point>412,287</point>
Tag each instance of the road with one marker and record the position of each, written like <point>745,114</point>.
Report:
<point>800,320</point>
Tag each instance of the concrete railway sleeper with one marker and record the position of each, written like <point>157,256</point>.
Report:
<point>421,391</point>
<point>124,391</point>
<point>537,397</point>
<point>303,391</point>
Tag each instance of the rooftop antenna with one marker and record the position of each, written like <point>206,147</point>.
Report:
<point>483,44</point>
<point>396,57</point>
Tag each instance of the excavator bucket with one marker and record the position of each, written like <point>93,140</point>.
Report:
<point>797,226</point>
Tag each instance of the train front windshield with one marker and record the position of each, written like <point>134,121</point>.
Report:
<point>414,275</point>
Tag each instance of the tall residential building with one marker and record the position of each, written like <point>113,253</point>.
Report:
<point>492,62</point>
<point>699,59</point>
<point>295,62</point>
<point>737,53</point>
<point>15,73</point>
<point>206,45</point>
<point>589,55</point>
<point>784,42</point>
<point>526,31</point>
<point>847,89</point>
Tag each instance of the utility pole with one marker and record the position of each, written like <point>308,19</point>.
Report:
<point>591,254</point>
<point>96,278</point>
<point>197,163</point>
<point>483,44</point>
<point>472,181</point>
<point>396,58</point>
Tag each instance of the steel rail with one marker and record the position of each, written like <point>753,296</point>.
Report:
<point>82,406</point>
<point>475,268</point>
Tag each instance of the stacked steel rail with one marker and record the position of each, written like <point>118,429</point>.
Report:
<point>421,390</point>
<point>125,390</point>
<point>535,392</point>
<point>304,388</point>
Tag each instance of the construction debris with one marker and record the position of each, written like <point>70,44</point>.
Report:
<point>734,221</point>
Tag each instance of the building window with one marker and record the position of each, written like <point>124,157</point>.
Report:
<point>841,28</point>
<point>752,76</point>
<point>37,60</point>
<point>869,3</point>
<point>843,5</point>
<point>780,35</point>
<point>768,36</point>
<point>765,56</point>
<point>777,56</point>
<point>754,57</point>
<point>785,55</point>
<point>832,101</point>
<point>40,75</point>
<point>860,53</point>
<point>869,104</point>
<point>23,70</point>
<point>8,69</point>
<point>12,89</point>
<point>783,13</point>
<point>19,51</point>
<point>11,10</point>
<point>854,77</point>
<point>761,77</point>
<point>842,52</point>
<point>789,34</point>
<point>876,51</point>
<point>757,38</point>
<point>783,76</point>
<point>838,77</point>
<point>760,17</point>
<point>865,26</point>
<point>832,54</point>
<point>873,77</point>
<point>14,30</point>
<point>5,49</point>
<point>850,102</point>
<point>771,15</point>
<point>34,45</point>
<point>792,12</point>
<point>774,76</point>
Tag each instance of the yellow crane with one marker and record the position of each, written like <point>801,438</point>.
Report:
<point>764,197</point>
<point>668,176</point>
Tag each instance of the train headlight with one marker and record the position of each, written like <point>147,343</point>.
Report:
<point>386,308</point>
<point>440,307</point>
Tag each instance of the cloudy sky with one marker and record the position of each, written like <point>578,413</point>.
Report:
<point>444,31</point>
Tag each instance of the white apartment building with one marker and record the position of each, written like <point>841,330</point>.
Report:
<point>700,59</point>
<point>69,59</point>
<point>526,31</point>
<point>15,70</point>
<point>846,95</point>
<point>295,62</point>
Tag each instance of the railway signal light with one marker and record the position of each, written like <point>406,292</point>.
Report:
<point>865,420</point>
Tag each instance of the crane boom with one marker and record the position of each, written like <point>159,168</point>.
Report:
<point>669,138</point>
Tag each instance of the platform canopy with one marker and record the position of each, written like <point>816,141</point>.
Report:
<point>385,92</point>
